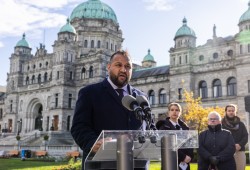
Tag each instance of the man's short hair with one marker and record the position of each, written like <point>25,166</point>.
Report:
<point>214,113</point>
<point>121,52</point>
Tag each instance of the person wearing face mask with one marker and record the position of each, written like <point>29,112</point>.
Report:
<point>173,122</point>
<point>216,146</point>
<point>99,106</point>
<point>233,123</point>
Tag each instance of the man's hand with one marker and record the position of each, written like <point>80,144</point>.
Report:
<point>187,159</point>
<point>214,160</point>
<point>98,144</point>
<point>237,147</point>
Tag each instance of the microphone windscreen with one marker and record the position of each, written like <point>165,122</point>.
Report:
<point>127,100</point>
<point>142,100</point>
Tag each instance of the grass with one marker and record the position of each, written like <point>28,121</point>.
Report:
<point>18,164</point>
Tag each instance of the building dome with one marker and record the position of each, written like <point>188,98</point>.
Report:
<point>68,28</point>
<point>148,57</point>
<point>184,30</point>
<point>246,15</point>
<point>93,9</point>
<point>22,42</point>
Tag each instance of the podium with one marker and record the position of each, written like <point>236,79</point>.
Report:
<point>132,149</point>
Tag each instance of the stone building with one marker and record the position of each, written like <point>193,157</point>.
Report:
<point>42,89</point>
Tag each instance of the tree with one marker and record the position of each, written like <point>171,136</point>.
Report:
<point>194,113</point>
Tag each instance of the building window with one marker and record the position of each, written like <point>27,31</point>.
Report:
<point>56,100</point>
<point>217,89</point>
<point>99,44</point>
<point>180,91</point>
<point>201,57</point>
<point>179,59</point>
<point>33,79</point>
<point>11,105</point>
<point>71,75</point>
<point>151,96</point>
<point>111,46</point>
<point>27,80</point>
<point>248,48</point>
<point>1,113</point>
<point>70,101</point>
<point>241,49</point>
<point>68,123</point>
<point>92,44</point>
<point>162,97</point>
<point>107,45</point>
<point>186,58</point>
<point>115,47</point>
<point>230,53</point>
<point>57,74</point>
<point>215,55</point>
<point>83,73</point>
<point>45,77</point>
<point>203,89</point>
<point>91,74</point>
<point>231,87</point>
<point>86,43</point>
<point>39,78</point>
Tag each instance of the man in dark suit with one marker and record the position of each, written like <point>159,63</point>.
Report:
<point>99,107</point>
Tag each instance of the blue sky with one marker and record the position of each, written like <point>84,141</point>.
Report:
<point>145,23</point>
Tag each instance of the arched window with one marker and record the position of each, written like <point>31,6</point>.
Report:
<point>86,43</point>
<point>217,89</point>
<point>91,74</point>
<point>215,55</point>
<point>162,96</point>
<point>11,105</point>
<point>107,45</point>
<point>39,78</point>
<point>33,79</point>
<point>68,123</point>
<point>27,80</point>
<point>45,77</point>
<point>230,53</point>
<point>99,44</point>
<point>92,44</point>
<point>203,89</point>
<point>231,87</point>
<point>83,73</point>
<point>151,96</point>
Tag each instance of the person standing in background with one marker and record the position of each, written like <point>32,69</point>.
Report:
<point>233,123</point>
<point>216,146</point>
<point>173,122</point>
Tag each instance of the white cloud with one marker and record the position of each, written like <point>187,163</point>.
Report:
<point>21,16</point>
<point>1,44</point>
<point>159,5</point>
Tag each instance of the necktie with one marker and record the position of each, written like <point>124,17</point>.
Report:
<point>120,92</point>
<point>177,127</point>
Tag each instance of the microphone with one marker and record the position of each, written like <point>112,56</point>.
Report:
<point>131,104</point>
<point>143,102</point>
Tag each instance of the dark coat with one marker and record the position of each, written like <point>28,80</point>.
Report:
<point>240,134</point>
<point>99,108</point>
<point>216,142</point>
<point>167,125</point>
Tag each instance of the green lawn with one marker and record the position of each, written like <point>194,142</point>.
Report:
<point>17,163</point>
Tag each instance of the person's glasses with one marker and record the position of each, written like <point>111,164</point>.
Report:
<point>213,119</point>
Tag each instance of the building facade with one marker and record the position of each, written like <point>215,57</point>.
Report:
<point>42,89</point>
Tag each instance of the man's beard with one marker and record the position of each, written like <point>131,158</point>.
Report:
<point>115,80</point>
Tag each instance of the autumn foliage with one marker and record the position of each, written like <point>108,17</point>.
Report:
<point>194,114</point>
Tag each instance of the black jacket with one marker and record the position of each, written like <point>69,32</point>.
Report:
<point>240,134</point>
<point>216,142</point>
<point>167,125</point>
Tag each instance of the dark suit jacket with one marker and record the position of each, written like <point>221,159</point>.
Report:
<point>99,108</point>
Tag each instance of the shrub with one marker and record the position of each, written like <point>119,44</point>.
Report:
<point>46,137</point>
<point>18,137</point>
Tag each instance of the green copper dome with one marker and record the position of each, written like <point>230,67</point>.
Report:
<point>93,9</point>
<point>22,42</point>
<point>246,15</point>
<point>184,30</point>
<point>68,28</point>
<point>148,57</point>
